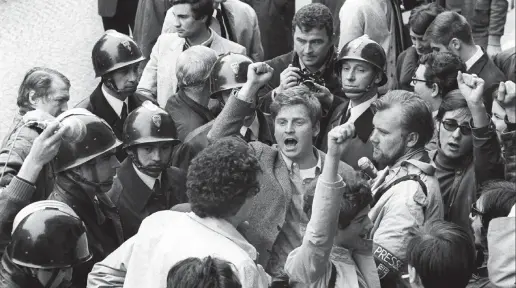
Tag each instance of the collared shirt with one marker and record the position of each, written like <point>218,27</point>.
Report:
<point>114,102</point>
<point>304,174</point>
<point>148,180</point>
<point>167,237</point>
<point>255,128</point>
<point>471,61</point>
<point>357,111</point>
<point>206,43</point>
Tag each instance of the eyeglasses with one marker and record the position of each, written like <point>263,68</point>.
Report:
<point>475,211</point>
<point>415,80</point>
<point>452,125</point>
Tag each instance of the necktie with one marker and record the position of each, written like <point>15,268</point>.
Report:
<point>157,188</point>
<point>346,117</point>
<point>220,19</point>
<point>248,135</point>
<point>123,114</point>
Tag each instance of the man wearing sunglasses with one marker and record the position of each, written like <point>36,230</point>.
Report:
<point>468,152</point>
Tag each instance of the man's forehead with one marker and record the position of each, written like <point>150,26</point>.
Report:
<point>293,111</point>
<point>182,9</point>
<point>415,35</point>
<point>460,115</point>
<point>314,33</point>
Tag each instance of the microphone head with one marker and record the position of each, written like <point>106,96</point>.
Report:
<point>364,163</point>
<point>76,129</point>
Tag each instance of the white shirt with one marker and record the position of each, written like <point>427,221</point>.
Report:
<point>114,102</point>
<point>167,237</point>
<point>358,110</point>
<point>308,173</point>
<point>471,61</point>
<point>255,128</point>
<point>148,180</point>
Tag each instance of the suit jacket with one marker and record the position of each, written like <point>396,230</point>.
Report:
<point>406,66</point>
<point>487,70</point>
<point>107,8</point>
<point>506,61</point>
<point>134,199</point>
<point>501,247</point>
<point>486,17</point>
<point>98,105</point>
<point>159,76</point>
<point>243,26</point>
<point>359,146</point>
<point>269,207</point>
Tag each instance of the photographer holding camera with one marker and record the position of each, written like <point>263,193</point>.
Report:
<point>310,63</point>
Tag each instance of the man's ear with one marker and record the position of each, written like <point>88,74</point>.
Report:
<point>33,99</point>
<point>378,78</point>
<point>455,44</point>
<point>435,90</point>
<point>413,277</point>
<point>412,139</point>
<point>316,129</point>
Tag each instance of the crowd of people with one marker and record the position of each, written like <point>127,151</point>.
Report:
<point>228,147</point>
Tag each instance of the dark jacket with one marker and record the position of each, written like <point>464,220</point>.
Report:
<point>486,17</point>
<point>14,276</point>
<point>20,149</point>
<point>187,114</point>
<point>331,80</point>
<point>460,178</point>
<point>135,200</point>
<point>406,67</point>
<point>359,146</point>
<point>509,144</point>
<point>506,61</point>
<point>486,69</point>
<point>100,218</point>
<point>98,105</point>
<point>197,140</point>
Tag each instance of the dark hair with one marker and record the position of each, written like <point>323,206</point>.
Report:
<point>443,254</point>
<point>297,95</point>
<point>498,197</point>
<point>442,69</point>
<point>356,197</point>
<point>38,80</point>
<point>415,113</point>
<point>200,8</point>
<point>221,178</point>
<point>452,101</point>
<point>449,25</point>
<point>422,16</point>
<point>208,272</point>
<point>312,16</point>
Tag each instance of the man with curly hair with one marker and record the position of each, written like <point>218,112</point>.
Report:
<point>222,180</point>
<point>290,168</point>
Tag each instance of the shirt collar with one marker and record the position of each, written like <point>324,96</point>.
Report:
<point>148,180</point>
<point>255,128</point>
<point>323,67</point>
<point>206,43</point>
<point>358,110</point>
<point>474,58</point>
<point>309,173</point>
<point>114,102</point>
<point>227,230</point>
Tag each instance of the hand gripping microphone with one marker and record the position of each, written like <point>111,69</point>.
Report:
<point>76,128</point>
<point>367,167</point>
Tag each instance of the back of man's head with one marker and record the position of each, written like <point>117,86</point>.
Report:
<point>312,16</point>
<point>442,68</point>
<point>440,255</point>
<point>221,178</point>
<point>194,66</point>
<point>422,16</point>
<point>449,25</point>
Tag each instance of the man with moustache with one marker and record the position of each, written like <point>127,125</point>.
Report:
<point>361,68</point>
<point>290,169</point>
<point>406,193</point>
<point>115,59</point>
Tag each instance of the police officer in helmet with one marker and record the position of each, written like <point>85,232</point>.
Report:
<point>115,57</point>
<point>48,241</point>
<point>146,182</point>
<point>360,66</point>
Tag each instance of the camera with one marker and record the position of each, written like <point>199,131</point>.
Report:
<point>309,79</point>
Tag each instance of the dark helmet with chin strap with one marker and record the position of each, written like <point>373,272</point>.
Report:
<point>148,124</point>
<point>366,50</point>
<point>114,51</point>
<point>229,72</point>
<point>48,234</point>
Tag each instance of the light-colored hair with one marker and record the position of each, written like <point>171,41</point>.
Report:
<point>297,95</point>
<point>194,66</point>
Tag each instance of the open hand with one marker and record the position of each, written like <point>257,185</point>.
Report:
<point>472,87</point>
<point>338,137</point>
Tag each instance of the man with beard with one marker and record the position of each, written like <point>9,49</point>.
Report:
<point>145,183</point>
<point>44,92</point>
<point>115,58</point>
<point>406,193</point>
<point>312,59</point>
<point>360,65</point>
<point>290,169</point>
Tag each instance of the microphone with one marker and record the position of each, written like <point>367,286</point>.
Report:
<point>76,129</point>
<point>367,167</point>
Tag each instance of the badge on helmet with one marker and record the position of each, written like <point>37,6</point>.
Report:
<point>229,72</point>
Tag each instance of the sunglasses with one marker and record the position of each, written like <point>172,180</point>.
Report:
<point>475,211</point>
<point>452,125</point>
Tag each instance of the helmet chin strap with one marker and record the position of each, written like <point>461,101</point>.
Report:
<point>112,86</point>
<point>95,184</point>
<point>360,90</point>
<point>144,169</point>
